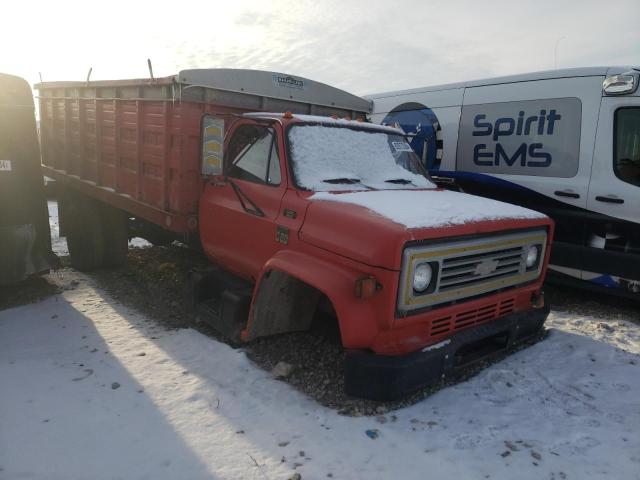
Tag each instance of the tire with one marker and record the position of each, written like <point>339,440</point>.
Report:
<point>84,231</point>
<point>115,226</point>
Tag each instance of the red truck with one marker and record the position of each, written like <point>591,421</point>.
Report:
<point>296,210</point>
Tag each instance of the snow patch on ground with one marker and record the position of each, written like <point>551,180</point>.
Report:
<point>92,389</point>
<point>430,208</point>
<point>58,244</point>
<point>621,334</point>
<point>138,242</point>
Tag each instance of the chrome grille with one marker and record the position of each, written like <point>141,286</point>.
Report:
<point>468,271</point>
<point>468,268</point>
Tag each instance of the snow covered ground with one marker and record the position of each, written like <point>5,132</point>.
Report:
<point>58,244</point>
<point>93,390</point>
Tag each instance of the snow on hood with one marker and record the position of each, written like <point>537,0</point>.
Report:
<point>430,208</point>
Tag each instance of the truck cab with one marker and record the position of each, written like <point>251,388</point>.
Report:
<point>305,207</point>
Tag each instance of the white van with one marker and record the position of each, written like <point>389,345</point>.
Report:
<point>564,142</point>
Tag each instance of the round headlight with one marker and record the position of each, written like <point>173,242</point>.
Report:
<point>532,256</point>
<point>422,277</point>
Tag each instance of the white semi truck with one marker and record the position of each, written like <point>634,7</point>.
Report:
<point>564,142</point>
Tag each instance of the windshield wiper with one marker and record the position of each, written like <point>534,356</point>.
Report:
<point>342,180</point>
<point>399,181</point>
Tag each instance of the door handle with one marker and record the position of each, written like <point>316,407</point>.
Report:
<point>609,199</point>
<point>567,193</point>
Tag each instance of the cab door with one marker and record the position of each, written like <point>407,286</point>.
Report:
<point>239,209</point>
<point>615,178</point>
<point>614,191</point>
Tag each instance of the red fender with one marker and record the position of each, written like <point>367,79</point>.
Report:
<point>356,316</point>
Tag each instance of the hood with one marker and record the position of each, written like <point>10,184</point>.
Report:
<point>372,227</point>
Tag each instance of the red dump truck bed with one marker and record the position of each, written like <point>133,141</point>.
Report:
<point>136,144</point>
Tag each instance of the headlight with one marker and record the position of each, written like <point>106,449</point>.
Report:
<point>532,256</point>
<point>422,277</point>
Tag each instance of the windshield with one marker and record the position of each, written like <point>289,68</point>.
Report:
<point>329,158</point>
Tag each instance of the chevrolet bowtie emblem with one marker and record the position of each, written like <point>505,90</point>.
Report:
<point>486,267</point>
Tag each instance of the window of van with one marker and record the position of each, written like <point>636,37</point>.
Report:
<point>626,147</point>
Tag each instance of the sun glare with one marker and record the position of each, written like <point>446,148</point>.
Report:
<point>63,40</point>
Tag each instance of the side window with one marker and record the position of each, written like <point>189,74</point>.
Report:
<point>253,155</point>
<point>626,147</point>
<point>274,166</point>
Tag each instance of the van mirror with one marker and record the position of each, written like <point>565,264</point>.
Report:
<point>212,145</point>
<point>625,83</point>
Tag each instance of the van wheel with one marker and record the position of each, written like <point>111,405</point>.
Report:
<point>84,231</point>
<point>115,226</point>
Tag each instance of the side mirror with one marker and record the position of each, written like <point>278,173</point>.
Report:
<point>212,145</point>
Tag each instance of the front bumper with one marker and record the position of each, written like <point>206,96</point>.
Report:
<point>386,377</point>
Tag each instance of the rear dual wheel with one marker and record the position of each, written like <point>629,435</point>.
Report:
<point>115,224</point>
<point>97,233</point>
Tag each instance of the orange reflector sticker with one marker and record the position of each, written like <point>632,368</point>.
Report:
<point>366,287</point>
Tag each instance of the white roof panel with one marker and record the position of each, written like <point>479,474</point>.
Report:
<point>525,77</point>
<point>273,85</point>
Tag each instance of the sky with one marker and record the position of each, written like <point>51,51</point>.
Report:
<point>361,46</point>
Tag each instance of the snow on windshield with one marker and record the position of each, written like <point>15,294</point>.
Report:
<point>334,158</point>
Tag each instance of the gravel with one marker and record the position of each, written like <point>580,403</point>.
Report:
<point>592,304</point>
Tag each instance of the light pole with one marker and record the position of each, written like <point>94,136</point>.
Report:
<point>555,51</point>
